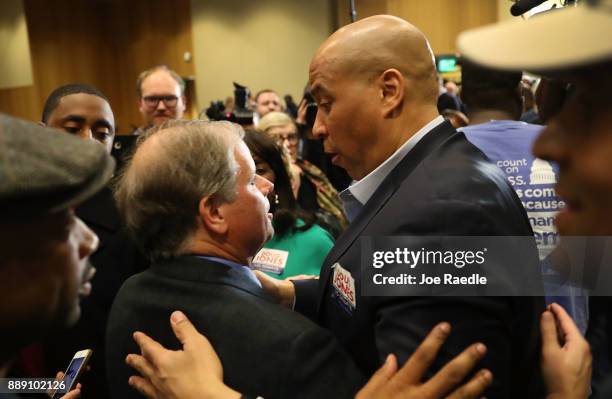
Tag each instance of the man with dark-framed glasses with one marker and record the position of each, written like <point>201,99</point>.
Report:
<point>161,96</point>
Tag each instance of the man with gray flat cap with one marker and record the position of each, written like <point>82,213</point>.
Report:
<point>84,111</point>
<point>44,267</point>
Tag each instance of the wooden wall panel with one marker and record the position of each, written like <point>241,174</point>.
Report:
<point>148,33</point>
<point>64,46</point>
<point>365,8</point>
<point>22,102</point>
<point>106,43</point>
<point>440,20</point>
<point>16,66</point>
<point>443,20</point>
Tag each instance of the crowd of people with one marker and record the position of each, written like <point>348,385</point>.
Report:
<point>223,261</point>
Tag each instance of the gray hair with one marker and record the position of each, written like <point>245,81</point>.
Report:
<point>174,166</point>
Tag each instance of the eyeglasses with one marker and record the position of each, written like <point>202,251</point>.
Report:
<point>153,101</point>
<point>292,138</point>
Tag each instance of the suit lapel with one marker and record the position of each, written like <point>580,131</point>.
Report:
<point>392,182</point>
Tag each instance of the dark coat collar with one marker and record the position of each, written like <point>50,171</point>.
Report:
<point>194,268</point>
<point>392,182</point>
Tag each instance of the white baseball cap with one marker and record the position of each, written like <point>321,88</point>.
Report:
<point>569,37</point>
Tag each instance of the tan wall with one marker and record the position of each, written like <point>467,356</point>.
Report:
<point>503,10</point>
<point>148,33</point>
<point>64,48</point>
<point>262,44</point>
<point>440,20</point>
<point>16,67</point>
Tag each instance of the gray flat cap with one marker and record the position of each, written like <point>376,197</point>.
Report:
<point>45,170</point>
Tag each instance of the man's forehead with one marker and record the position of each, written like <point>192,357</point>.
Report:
<point>324,67</point>
<point>82,99</point>
<point>241,151</point>
<point>40,223</point>
<point>324,82</point>
<point>42,232</point>
<point>316,80</point>
<point>317,64</point>
<point>83,104</point>
<point>159,79</point>
<point>585,107</point>
<point>267,96</point>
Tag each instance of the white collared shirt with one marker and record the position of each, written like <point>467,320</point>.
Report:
<point>359,192</point>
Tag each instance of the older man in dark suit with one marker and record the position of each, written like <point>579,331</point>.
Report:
<point>194,204</point>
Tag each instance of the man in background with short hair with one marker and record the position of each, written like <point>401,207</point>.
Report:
<point>81,110</point>
<point>161,96</point>
<point>266,101</point>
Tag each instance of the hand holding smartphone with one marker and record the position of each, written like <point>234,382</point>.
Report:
<point>73,372</point>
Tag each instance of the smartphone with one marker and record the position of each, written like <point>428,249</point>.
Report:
<point>73,372</point>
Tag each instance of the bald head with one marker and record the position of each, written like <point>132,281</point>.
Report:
<point>368,47</point>
<point>375,85</point>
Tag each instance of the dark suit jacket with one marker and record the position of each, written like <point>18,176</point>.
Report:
<point>443,187</point>
<point>265,348</point>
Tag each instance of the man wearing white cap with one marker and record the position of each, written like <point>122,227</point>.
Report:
<point>572,44</point>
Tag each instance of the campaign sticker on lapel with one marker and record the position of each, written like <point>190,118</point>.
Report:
<point>344,288</point>
<point>270,260</point>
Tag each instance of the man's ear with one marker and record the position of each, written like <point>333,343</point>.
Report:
<point>184,99</point>
<point>211,215</point>
<point>140,105</point>
<point>392,84</point>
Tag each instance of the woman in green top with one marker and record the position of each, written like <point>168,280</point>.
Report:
<point>299,246</point>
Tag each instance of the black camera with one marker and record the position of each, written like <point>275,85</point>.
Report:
<point>311,108</point>
<point>240,114</point>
